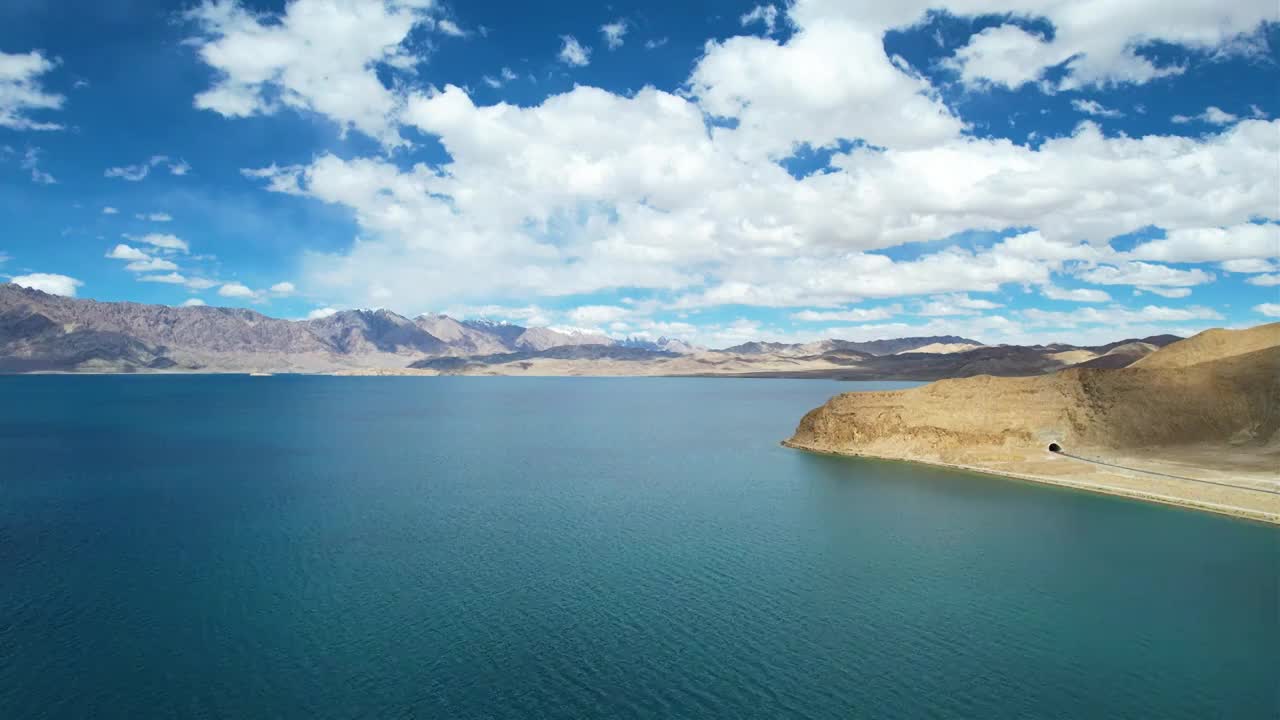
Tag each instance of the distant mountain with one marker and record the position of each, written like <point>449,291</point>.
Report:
<point>873,347</point>
<point>536,339</point>
<point>366,332</point>
<point>42,332</point>
<point>469,338</point>
<point>662,344</point>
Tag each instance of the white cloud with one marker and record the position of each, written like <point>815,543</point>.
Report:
<point>1145,274</point>
<point>591,191</point>
<point>1084,295</point>
<point>155,217</point>
<point>139,172</point>
<point>614,32</point>
<point>319,55</point>
<point>655,43</point>
<point>827,82</point>
<point>1003,55</point>
<point>236,290</point>
<point>546,200</point>
<point>1264,280</point>
<point>955,304</point>
<point>1117,315</point>
<point>572,52</point>
<point>31,162</point>
<point>108,210</point>
<point>1169,292</point>
<point>1211,115</point>
<point>201,283</point>
<point>449,27</point>
<point>125,252</point>
<point>319,313</point>
<point>1093,107</point>
<point>193,302</point>
<point>283,288</point>
<point>150,265</point>
<point>48,282</point>
<point>848,315</point>
<point>172,278</point>
<point>1268,309</point>
<point>1250,265</point>
<point>21,92</point>
<point>132,173</point>
<point>766,15</point>
<point>596,315</point>
<point>1238,242</point>
<point>1098,45</point>
<point>164,241</point>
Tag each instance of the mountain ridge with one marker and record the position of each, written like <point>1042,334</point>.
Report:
<point>40,332</point>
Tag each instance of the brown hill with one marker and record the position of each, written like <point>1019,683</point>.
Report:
<point>1213,345</point>
<point>1224,410</point>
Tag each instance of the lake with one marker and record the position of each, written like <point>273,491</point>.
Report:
<point>319,547</point>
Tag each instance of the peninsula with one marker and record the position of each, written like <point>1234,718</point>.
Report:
<point>1196,423</point>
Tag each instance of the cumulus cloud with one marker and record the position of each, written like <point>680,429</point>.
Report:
<point>1168,292</point>
<point>553,202</point>
<point>283,288</point>
<point>683,193</point>
<point>1146,275</point>
<point>1268,309</point>
<point>1265,280</point>
<point>125,252</point>
<point>150,265</point>
<point>108,210</point>
<point>172,278</point>
<point>1211,115</point>
<point>1247,241</point>
<point>1099,47</point>
<point>596,315</point>
<point>573,53</point>
<point>1095,108</point>
<point>766,15</point>
<point>163,241</point>
<point>1118,315</point>
<point>1250,265</point>
<point>1084,295</point>
<point>319,56</point>
<point>236,290</point>
<point>48,282</point>
<point>449,27</point>
<point>22,92</point>
<point>614,33</point>
<point>955,304</point>
<point>193,302</point>
<point>320,313</point>
<point>848,315</point>
<point>155,217</point>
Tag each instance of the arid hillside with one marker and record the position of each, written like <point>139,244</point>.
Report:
<point>1215,396</point>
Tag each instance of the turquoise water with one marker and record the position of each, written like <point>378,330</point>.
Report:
<point>233,547</point>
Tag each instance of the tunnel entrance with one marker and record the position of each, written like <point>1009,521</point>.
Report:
<point>1055,447</point>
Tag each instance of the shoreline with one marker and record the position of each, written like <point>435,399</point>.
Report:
<point>1114,491</point>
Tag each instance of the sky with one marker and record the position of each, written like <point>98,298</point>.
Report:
<point>1012,171</point>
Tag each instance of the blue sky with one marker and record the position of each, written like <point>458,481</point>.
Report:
<point>1011,171</point>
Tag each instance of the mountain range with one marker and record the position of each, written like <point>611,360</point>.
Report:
<point>40,332</point>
